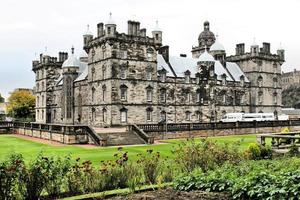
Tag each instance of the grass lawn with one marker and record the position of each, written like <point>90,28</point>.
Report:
<point>29,149</point>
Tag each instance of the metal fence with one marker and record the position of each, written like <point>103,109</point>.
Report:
<point>216,125</point>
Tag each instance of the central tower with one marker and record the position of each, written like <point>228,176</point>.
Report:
<point>205,40</point>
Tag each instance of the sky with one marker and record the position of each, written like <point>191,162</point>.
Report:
<point>28,28</point>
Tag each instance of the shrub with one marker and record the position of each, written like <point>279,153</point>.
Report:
<point>10,171</point>
<point>205,154</point>
<point>57,175</point>
<point>75,179</point>
<point>293,150</point>
<point>253,151</point>
<point>150,164</point>
<point>120,173</point>
<point>35,177</point>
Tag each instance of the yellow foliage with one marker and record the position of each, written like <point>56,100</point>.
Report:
<point>21,103</point>
<point>285,130</point>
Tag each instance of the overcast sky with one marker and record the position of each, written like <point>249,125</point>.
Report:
<point>27,27</point>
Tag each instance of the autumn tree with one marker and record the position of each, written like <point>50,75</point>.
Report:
<point>21,104</point>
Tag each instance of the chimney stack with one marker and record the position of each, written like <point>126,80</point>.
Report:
<point>143,32</point>
<point>100,29</point>
<point>266,48</point>
<point>164,51</point>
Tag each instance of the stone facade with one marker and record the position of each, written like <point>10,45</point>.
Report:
<point>131,79</point>
<point>290,79</point>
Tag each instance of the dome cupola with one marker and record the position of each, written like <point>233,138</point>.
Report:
<point>206,37</point>
<point>72,61</point>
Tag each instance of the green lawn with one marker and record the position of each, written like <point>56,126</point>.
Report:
<point>29,149</point>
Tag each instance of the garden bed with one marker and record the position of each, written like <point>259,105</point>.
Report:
<point>169,193</point>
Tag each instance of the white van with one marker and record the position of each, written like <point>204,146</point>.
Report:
<point>247,117</point>
<point>232,117</point>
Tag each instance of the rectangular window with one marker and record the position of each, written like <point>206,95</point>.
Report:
<point>198,97</point>
<point>123,94</point>
<point>149,116</point>
<point>123,73</point>
<point>188,97</point>
<point>163,96</point>
<point>163,77</point>
<point>149,95</point>
<point>187,79</point>
<point>123,116</point>
<point>149,75</point>
<point>187,116</point>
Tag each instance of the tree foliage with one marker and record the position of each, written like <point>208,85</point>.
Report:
<point>21,104</point>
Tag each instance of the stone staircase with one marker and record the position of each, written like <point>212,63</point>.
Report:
<point>119,136</point>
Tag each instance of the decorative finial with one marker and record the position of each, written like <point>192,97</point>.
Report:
<point>254,41</point>
<point>72,50</point>
<point>110,14</point>
<point>88,27</point>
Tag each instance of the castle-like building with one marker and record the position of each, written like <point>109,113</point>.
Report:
<point>131,79</point>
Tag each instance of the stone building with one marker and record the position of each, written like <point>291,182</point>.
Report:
<point>131,79</point>
<point>290,79</point>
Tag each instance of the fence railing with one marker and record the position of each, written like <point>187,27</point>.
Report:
<point>56,128</point>
<point>217,125</point>
<point>147,139</point>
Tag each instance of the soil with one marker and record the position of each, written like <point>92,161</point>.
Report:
<point>171,194</point>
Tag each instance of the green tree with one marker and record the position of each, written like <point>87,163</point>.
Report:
<point>21,104</point>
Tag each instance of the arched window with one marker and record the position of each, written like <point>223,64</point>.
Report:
<point>123,115</point>
<point>275,82</point>
<point>69,97</point>
<point>149,111</point>
<point>163,115</point>
<point>93,73</point>
<point>149,74</point>
<point>149,93</point>
<point>163,95</point>
<point>93,114</point>
<point>123,72</point>
<point>275,98</point>
<point>260,81</point>
<point>123,91</point>
<point>103,92</point>
<point>104,115</point>
<point>43,98</point>
<point>187,76</point>
<point>188,116</point>
<point>199,115</point>
<point>79,99</point>
<point>37,101</point>
<point>93,94</point>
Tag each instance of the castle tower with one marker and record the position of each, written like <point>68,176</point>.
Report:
<point>110,27</point>
<point>157,35</point>
<point>206,68</point>
<point>87,36</point>
<point>70,69</point>
<point>263,69</point>
<point>205,40</point>
<point>47,70</point>
<point>218,51</point>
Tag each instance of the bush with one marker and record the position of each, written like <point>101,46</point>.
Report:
<point>205,154</point>
<point>10,171</point>
<point>35,177</point>
<point>57,173</point>
<point>256,151</point>
<point>150,164</point>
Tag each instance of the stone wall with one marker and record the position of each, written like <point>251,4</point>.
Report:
<point>54,136</point>
<point>219,132</point>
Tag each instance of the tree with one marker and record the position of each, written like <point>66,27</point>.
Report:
<point>21,104</point>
